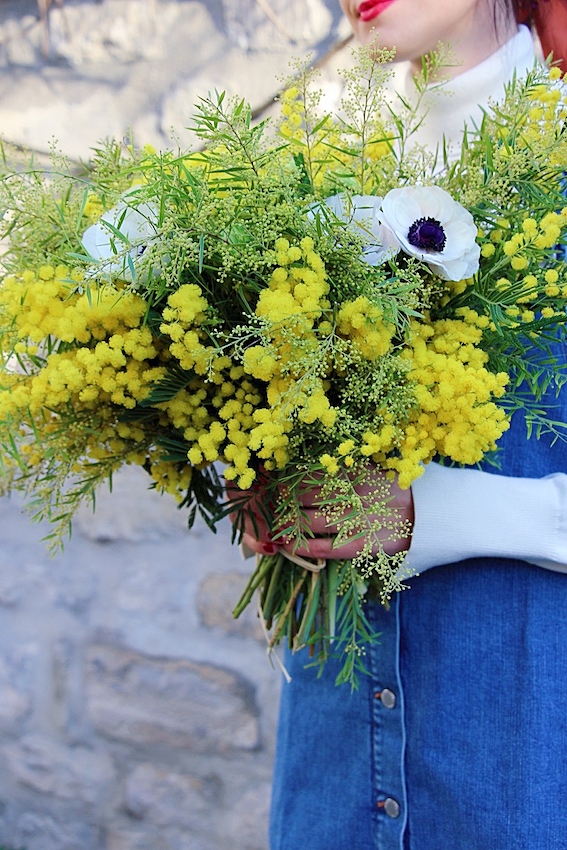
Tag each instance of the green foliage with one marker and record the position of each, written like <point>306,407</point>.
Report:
<point>174,387</point>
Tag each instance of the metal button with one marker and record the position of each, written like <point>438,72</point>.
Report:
<point>392,807</point>
<point>388,698</point>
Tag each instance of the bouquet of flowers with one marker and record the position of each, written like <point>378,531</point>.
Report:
<point>296,304</point>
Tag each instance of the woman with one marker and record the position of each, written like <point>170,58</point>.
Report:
<point>458,738</point>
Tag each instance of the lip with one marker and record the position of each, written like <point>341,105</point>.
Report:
<point>370,9</point>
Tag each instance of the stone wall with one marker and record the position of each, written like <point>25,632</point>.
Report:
<point>135,713</point>
<point>121,66</point>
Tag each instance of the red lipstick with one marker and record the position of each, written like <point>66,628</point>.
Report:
<point>370,9</point>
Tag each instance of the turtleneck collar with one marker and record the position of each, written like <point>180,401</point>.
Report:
<point>460,101</point>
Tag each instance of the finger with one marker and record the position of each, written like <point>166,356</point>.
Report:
<point>326,547</point>
<point>317,523</point>
<point>379,525</point>
<point>261,547</point>
<point>318,547</point>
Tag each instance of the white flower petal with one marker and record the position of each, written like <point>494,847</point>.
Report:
<point>401,208</point>
<point>362,213</point>
<point>90,241</point>
<point>137,226</point>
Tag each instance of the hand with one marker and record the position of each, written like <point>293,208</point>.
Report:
<point>400,503</point>
<point>400,513</point>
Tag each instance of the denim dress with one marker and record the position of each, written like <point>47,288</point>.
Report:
<point>458,738</point>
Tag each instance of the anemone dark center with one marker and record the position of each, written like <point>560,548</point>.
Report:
<point>427,235</point>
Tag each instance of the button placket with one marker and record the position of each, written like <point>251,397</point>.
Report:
<point>388,732</point>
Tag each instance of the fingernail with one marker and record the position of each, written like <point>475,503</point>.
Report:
<point>270,548</point>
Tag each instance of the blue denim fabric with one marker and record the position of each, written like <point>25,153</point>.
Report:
<point>473,755</point>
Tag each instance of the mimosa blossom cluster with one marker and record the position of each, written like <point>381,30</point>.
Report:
<point>291,312</point>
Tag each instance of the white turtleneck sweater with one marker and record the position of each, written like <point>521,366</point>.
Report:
<point>460,101</point>
<point>463,513</point>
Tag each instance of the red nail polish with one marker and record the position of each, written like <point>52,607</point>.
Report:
<point>270,548</point>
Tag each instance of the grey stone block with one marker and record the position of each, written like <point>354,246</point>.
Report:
<point>131,512</point>
<point>217,596</point>
<point>41,832</point>
<point>68,773</point>
<point>276,24</point>
<point>249,817</point>
<point>14,706</point>
<point>137,839</point>
<point>168,799</point>
<point>144,700</point>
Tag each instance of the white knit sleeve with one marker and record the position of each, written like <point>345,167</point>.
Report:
<point>464,513</point>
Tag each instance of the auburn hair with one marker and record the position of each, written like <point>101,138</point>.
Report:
<point>549,18</point>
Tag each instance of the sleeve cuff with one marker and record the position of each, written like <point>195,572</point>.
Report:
<point>465,513</point>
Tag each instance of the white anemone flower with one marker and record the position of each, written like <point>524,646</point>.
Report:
<point>433,227</point>
<point>121,236</point>
<point>361,212</point>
